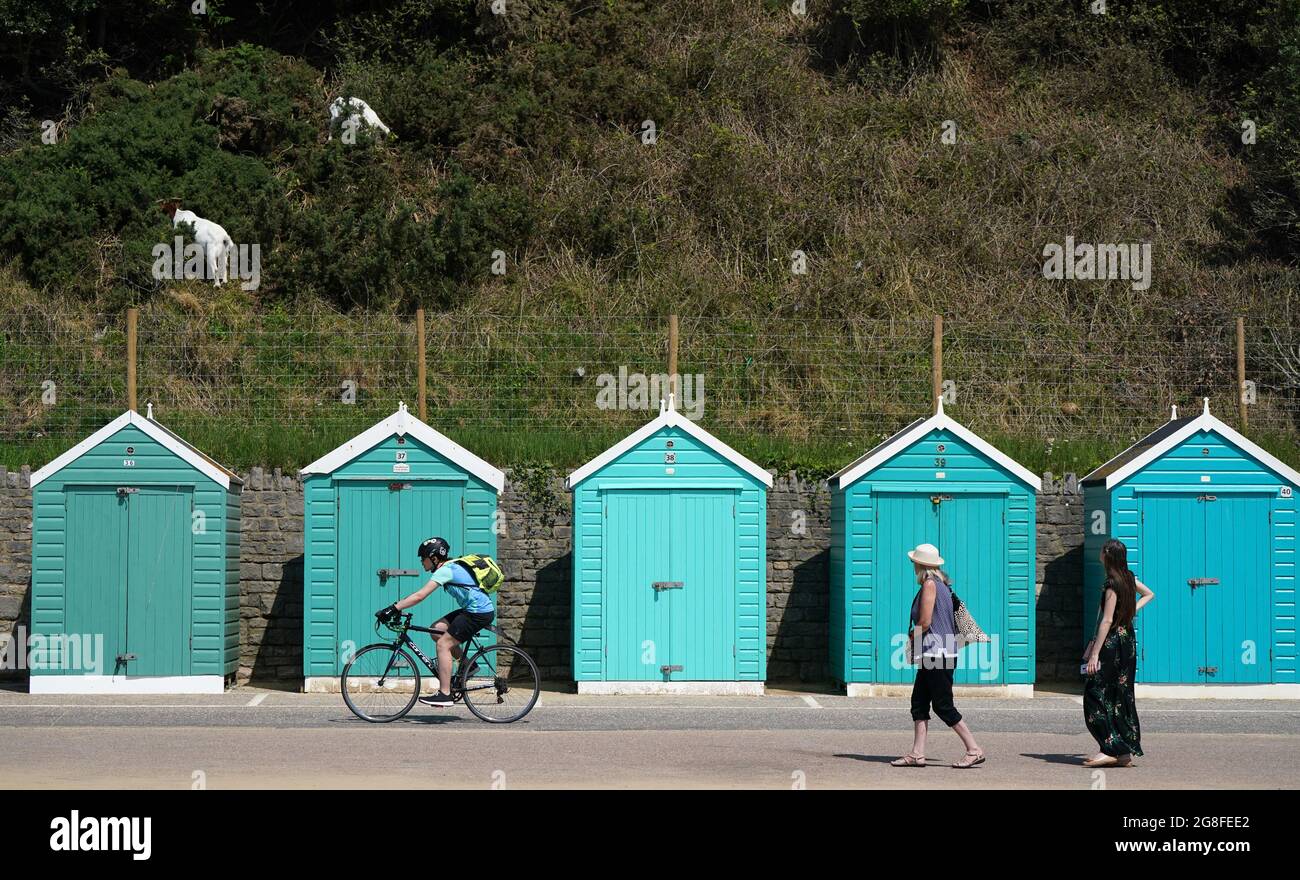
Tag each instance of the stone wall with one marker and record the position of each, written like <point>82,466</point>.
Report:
<point>534,548</point>
<point>15,554</point>
<point>1059,581</point>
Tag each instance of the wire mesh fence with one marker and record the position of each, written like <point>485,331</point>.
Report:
<point>330,376</point>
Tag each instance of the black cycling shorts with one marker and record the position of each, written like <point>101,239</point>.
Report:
<point>463,624</point>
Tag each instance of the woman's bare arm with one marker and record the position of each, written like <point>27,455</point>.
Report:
<point>926,611</point>
<point>1103,628</point>
<point>1145,595</point>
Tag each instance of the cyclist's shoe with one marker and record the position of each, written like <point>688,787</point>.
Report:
<point>439,699</point>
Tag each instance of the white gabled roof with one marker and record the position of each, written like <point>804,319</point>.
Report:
<point>858,469</point>
<point>402,423</point>
<point>669,417</point>
<point>200,462</point>
<point>1173,433</point>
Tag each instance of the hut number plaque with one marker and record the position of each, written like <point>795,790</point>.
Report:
<point>670,458</point>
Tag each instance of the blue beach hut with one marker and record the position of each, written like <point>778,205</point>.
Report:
<point>933,482</point>
<point>669,564</point>
<point>367,505</point>
<point>1209,519</point>
<point>135,565</point>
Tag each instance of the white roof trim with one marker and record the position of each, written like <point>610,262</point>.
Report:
<point>669,417</point>
<point>939,421</point>
<point>1204,422</point>
<point>403,423</point>
<point>157,432</point>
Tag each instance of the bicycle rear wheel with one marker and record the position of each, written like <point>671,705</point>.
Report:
<point>504,687</point>
<point>381,683</point>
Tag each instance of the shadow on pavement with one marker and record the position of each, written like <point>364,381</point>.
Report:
<point>1076,760</point>
<point>870,759</point>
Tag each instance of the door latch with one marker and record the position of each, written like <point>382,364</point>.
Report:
<point>123,491</point>
<point>1207,670</point>
<point>667,585</point>
<point>1201,582</point>
<point>122,658</point>
<point>668,670</point>
<point>939,499</point>
<point>386,573</point>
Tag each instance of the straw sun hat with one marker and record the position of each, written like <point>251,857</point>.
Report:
<point>926,555</point>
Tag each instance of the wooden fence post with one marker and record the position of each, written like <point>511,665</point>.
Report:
<point>419,369</point>
<point>132,318</point>
<point>937,363</point>
<point>672,357</point>
<point>1241,372</point>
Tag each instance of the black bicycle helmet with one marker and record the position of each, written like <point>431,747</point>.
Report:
<point>435,547</point>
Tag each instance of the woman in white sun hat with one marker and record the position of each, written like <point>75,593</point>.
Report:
<point>932,646</point>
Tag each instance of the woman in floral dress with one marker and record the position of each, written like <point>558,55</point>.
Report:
<point>1109,708</point>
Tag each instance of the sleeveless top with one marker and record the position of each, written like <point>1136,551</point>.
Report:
<point>1101,608</point>
<point>941,638</point>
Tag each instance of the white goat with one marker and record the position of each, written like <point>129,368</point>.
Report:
<point>217,245</point>
<point>353,111</point>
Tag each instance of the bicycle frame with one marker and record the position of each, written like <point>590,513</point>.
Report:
<point>468,649</point>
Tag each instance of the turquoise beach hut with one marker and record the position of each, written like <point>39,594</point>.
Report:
<point>135,566</point>
<point>1209,519</point>
<point>933,482</point>
<point>669,564</point>
<point>367,505</point>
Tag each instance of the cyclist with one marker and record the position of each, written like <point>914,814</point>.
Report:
<point>467,579</point>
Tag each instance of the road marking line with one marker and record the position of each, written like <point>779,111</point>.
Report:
<point>811,702</point>
<point>1151,710</point>
<point>257,700</point>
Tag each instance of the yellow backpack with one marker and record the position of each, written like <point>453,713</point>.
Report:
<point>484,569</point>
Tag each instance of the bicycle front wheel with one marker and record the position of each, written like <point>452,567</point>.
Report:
<point>504,687</point>
<point>381,683</point>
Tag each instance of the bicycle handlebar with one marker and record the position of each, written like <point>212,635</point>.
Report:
<point>398,624</point>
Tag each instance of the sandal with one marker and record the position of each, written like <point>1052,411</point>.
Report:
<point>966,763</point>
<point>908,760</point>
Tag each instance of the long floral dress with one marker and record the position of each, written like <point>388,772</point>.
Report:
<point>1109,708</point>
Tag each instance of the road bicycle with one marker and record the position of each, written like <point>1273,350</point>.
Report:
<point>381,683</point>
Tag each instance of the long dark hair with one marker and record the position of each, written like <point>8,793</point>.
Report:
<point>1119,577</point>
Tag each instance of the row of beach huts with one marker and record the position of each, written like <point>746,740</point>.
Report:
<point>136,536</point>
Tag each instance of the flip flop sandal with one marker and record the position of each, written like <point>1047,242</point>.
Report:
<point>966,764</point>
<point>908,760</point>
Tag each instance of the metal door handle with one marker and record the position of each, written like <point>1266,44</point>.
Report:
<point>385,573</point>
<point>669,669</point>
<point>1201,582</point>
<point>667,585</point>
